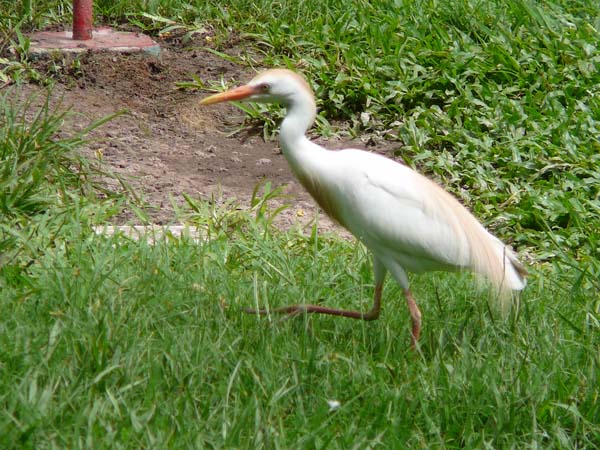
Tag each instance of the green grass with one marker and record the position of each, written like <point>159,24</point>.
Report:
<point>118,344</point>
<point>44,179</point>
<point>111,343</point>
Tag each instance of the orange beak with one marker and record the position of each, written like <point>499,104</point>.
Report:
<point>238,93</point>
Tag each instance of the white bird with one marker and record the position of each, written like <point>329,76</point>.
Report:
<point>409,223</point>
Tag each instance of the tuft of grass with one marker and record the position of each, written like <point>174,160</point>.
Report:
<point>39,170</point>
<point>43,181</point>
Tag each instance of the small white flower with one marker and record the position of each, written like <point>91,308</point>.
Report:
<point>333,404</point>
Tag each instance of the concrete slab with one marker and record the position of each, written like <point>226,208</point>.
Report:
<point>103,39</point>
<point>152,233</point>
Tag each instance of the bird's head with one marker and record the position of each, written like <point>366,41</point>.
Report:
<point>272,86</point>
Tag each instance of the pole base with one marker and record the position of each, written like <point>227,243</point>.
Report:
<point>103,39</point>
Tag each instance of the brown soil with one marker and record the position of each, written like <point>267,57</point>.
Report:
<point>167,143</point>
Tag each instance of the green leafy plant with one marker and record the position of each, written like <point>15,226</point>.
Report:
<point>43,178</point>
<point>165,26</point>
<point>20,69</point>
<point>218,216</point>
<point>37,169</point>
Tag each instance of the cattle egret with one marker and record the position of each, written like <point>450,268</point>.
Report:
<point>408,222</point>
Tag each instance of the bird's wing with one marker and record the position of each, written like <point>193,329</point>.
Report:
<point>393,208</point>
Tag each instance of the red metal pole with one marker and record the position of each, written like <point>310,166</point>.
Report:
<point>82,20</point>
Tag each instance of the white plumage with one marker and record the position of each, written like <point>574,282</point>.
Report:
<point>408,222</point>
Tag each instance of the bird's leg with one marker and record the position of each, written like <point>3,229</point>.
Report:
<point>415,316</point>
<point>294,310</point>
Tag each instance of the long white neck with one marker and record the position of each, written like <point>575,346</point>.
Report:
<point>300,115</point>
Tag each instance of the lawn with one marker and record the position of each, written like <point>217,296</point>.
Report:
<point>109,342</point>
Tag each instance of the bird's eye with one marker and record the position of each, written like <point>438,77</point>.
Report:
<point>265,87</point>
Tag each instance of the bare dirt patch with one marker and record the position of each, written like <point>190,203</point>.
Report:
<point>167,143</point>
